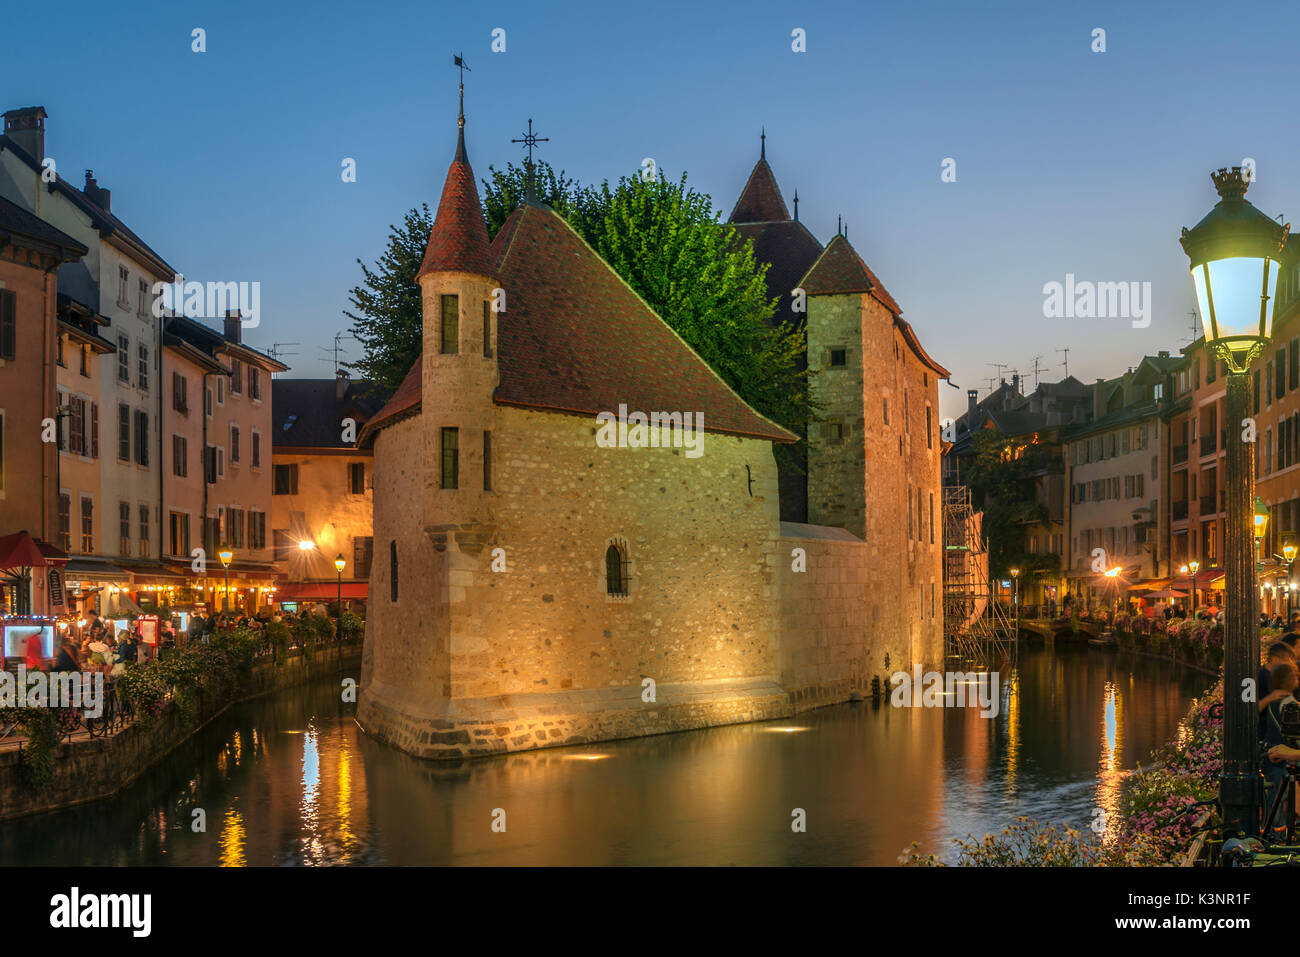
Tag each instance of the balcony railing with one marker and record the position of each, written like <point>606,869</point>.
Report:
<point>1180,508</point>
<point>1180,454</point>
<point>1209,505</point>
<point>1207,444</point>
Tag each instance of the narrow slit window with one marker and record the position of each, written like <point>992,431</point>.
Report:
<point>450,458</point>
<point>450,325</point>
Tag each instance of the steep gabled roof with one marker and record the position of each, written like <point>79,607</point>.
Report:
<point>458,241</point>
<point>760,201</point>
<point>789,249</point>
<point>840,269</point>
<point>576,338</point>
<point>308,412</point>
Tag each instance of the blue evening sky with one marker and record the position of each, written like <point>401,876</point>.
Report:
<point>1068,161</point>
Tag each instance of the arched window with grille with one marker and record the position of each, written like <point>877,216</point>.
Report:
<point>617,578</point>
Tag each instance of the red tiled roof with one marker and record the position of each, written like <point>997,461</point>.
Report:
<point>404,403</point>
<point>458,241</point>
<point>576,338</point>
<point>840,269</point>
<point>760,201</point>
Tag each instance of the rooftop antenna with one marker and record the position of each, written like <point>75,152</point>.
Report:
<point>278,350</point>
<point>1037,369</point>
<point>1066,363</point>
<point>1196,326</point>
<point>332,354</point>
<point>998,367</point>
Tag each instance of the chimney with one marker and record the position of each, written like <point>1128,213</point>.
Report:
<point>234,325</point>
<point>1015,382</point>
<point>100,197</point>
<point>1164,353</point>
<point>26,127</point>
<point>1099,399</point>
<point>341,382</point>
<point>972,402</point>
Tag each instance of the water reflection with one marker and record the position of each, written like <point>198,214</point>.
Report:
<point>291,781</point>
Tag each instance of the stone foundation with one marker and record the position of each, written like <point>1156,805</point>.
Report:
<point>476,727</point>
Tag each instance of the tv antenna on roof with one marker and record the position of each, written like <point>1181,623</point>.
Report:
<point>1196,326</point>
<point>1066,363</point>
<point>1037,369</point>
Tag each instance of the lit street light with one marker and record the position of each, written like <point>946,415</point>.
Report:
<point>1234,254</point>
<point>226,555</point>
<point>339,564</point>
<point>1015,579</point>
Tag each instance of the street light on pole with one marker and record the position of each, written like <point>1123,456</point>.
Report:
<point>1015,581</point>
<point>1234,254</point>
<point>226,555</point>
<point>339,564</point>
<point>1289,552</point>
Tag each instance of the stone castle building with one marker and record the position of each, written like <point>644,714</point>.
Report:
<point>532,586</point>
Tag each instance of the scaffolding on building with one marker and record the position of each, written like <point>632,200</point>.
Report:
<point>975,627</point>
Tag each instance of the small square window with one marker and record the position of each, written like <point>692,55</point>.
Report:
<point>839,357</point>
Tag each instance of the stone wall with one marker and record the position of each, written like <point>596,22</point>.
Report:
<point>90,769</point>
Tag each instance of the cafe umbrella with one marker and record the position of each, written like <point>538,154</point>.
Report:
<point>19,554</point>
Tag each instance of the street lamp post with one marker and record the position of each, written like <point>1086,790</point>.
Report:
<point>1289,552</point>
<point>1015,581</point>
<point>226,555</point>
<point>339,565</point>
<point>1234,254</point>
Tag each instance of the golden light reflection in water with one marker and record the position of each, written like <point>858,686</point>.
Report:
<point>346,837</point>
<point>1110,773</point>
<point>1013,730</point>
<point>785,730</point>
<point>585,757</point>
<point>232,840</point>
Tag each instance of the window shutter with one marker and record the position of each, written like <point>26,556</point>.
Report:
<point>8,323</point>
<point>94,430</point>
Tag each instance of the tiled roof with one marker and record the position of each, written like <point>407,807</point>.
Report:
<point>909,335</point>
<point>458,242</point>
<point>404,403</point>
<point>760,201</point>
<point>14,220</point>
<point>840,269</point>
<point>308,414</point>
<point>576,338</point>
<point>790,249</point>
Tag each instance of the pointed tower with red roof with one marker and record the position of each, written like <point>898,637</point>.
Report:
<point>459,367</point>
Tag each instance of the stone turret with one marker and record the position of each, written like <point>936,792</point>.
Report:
<point>459,373</point>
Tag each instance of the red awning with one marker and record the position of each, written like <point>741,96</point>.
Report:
<point>321,591</point>
<point>20,550</point>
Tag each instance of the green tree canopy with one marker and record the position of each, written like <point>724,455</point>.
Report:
<point>388,317</point>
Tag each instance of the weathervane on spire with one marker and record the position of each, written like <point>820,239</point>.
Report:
<point>762,140</point>
<point>458,60</point>
<point>529,140</point>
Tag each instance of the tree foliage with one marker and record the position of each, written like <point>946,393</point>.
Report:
<point>388,318</point>
<point>1004,481</point>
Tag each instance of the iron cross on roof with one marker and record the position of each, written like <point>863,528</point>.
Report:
<point>530,139</point>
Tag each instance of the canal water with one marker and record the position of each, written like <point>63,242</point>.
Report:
<point>290,780</point>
